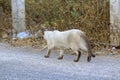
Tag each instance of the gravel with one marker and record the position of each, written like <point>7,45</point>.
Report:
<point>25,63</point>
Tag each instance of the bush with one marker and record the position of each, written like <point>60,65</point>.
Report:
<point>91,16</point>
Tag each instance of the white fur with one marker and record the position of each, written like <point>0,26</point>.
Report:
<point>66,39</point>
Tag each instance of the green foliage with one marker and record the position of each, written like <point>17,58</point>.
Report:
<point>91,16</point>
<point>5,16</point>
<point>6,5</point>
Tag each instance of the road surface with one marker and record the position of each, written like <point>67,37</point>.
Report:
<point>24,63</point>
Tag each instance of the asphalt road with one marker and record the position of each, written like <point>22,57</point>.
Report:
<point>23,63</point>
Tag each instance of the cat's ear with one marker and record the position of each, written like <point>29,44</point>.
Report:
<point>51,29</point>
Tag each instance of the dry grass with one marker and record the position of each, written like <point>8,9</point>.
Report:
<point>91,16</point>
